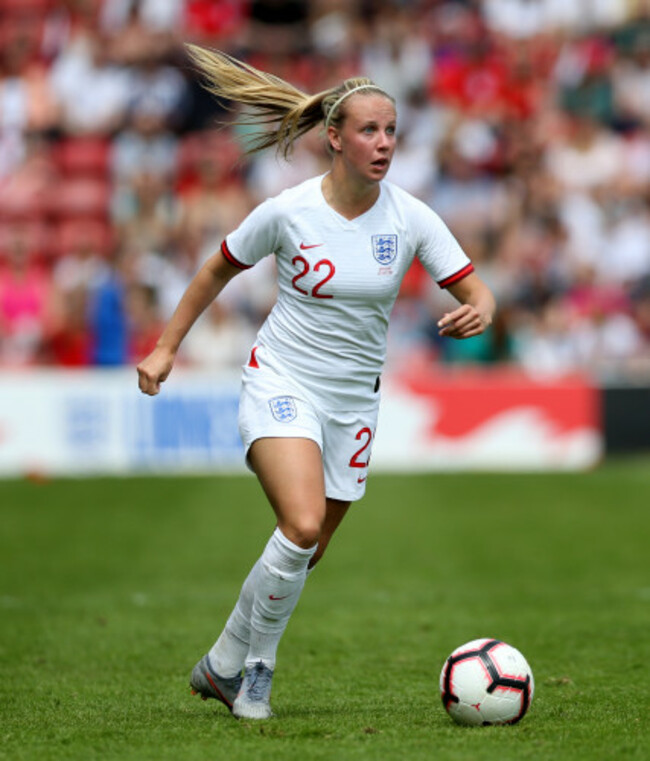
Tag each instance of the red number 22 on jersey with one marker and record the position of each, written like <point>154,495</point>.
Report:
<point>315,291</point>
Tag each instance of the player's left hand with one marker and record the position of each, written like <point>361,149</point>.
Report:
<point>464,322</point>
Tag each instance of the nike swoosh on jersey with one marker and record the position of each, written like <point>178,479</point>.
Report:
<point>304,247</point>
<point>361,479</point>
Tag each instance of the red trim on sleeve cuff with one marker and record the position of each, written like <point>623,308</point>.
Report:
<point>230,258</point>
<point>467,270</point>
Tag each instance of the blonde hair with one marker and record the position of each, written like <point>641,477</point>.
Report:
<point>272,101</point>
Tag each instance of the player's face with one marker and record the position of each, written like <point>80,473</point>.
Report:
<point>366,139</point>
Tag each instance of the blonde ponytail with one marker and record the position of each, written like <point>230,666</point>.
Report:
<point>273,102</point>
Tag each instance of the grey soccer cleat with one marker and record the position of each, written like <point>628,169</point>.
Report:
<point>253,699</point>
<point>208,684</point>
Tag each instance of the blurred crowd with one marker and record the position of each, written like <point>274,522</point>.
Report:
<point>524,123</point>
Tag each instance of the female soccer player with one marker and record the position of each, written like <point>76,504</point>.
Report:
<point>310,390</point>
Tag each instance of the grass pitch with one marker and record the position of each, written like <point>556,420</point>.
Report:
<point>111,589</point>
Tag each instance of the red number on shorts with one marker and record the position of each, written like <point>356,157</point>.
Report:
<point>315,291</point>
<point>354,460</point>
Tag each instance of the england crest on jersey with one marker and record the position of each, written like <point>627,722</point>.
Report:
<point>384,248</point>
<point>283,408</point>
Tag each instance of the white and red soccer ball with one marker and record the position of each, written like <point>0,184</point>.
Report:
<point>486,682</point>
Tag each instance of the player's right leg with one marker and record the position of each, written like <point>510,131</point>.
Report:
<point>291,474</point>
<point>208,683</point>
<point>219,673</point>
<point>281,434</point>
<point>290,471</point>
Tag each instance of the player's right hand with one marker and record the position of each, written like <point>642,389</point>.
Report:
<point>153,370</point>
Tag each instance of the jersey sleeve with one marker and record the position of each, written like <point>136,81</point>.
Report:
<point>256,237</point>
<point>439,251</point>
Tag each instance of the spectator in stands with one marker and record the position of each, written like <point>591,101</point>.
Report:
<point>587,157</point>
<point>29,307</point>
<point>91,90</point>
<point>27,104</point>
<point>143,319</point>
<point>144,146</point>
<point>158,90</point>
<point>70,344</point>
<point>146,212</point>
<point>220,339</point>
<point>212,190</point>
<point>395,53</point>
<point>107,317</point>
<point>631,83</point>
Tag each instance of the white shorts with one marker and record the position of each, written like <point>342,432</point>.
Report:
<point>272,406</point>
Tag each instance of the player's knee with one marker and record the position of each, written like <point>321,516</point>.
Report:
<point>304,531</point>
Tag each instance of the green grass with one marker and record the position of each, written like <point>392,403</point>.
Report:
<point>111,589</point>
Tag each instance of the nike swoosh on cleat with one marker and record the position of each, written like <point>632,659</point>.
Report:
<point>222,697</point>
<point>273,597</point>
<point>304,247</point>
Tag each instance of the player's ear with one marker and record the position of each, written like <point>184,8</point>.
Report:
<point>334,139</point>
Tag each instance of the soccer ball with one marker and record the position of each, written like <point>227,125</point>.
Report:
<point>486,682</point>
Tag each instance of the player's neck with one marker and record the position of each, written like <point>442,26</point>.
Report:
<point>349,199</point>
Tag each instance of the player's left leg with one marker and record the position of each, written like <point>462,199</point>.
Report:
<point>290,471</point>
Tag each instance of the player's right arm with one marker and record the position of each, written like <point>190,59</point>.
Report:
<point>206,285</point>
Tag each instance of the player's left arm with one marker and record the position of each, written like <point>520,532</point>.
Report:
<point>474,315</point>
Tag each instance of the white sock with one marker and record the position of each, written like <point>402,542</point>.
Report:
<point>230,650</point>
<point>279,581</point>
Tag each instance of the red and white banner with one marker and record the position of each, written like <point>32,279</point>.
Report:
<point>96,422</point>
<point>493,419</point>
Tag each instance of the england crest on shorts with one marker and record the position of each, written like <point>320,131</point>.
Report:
<point>384,248</point>
<point>283,408</point>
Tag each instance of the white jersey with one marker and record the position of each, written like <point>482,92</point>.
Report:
<point>338,280</point>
